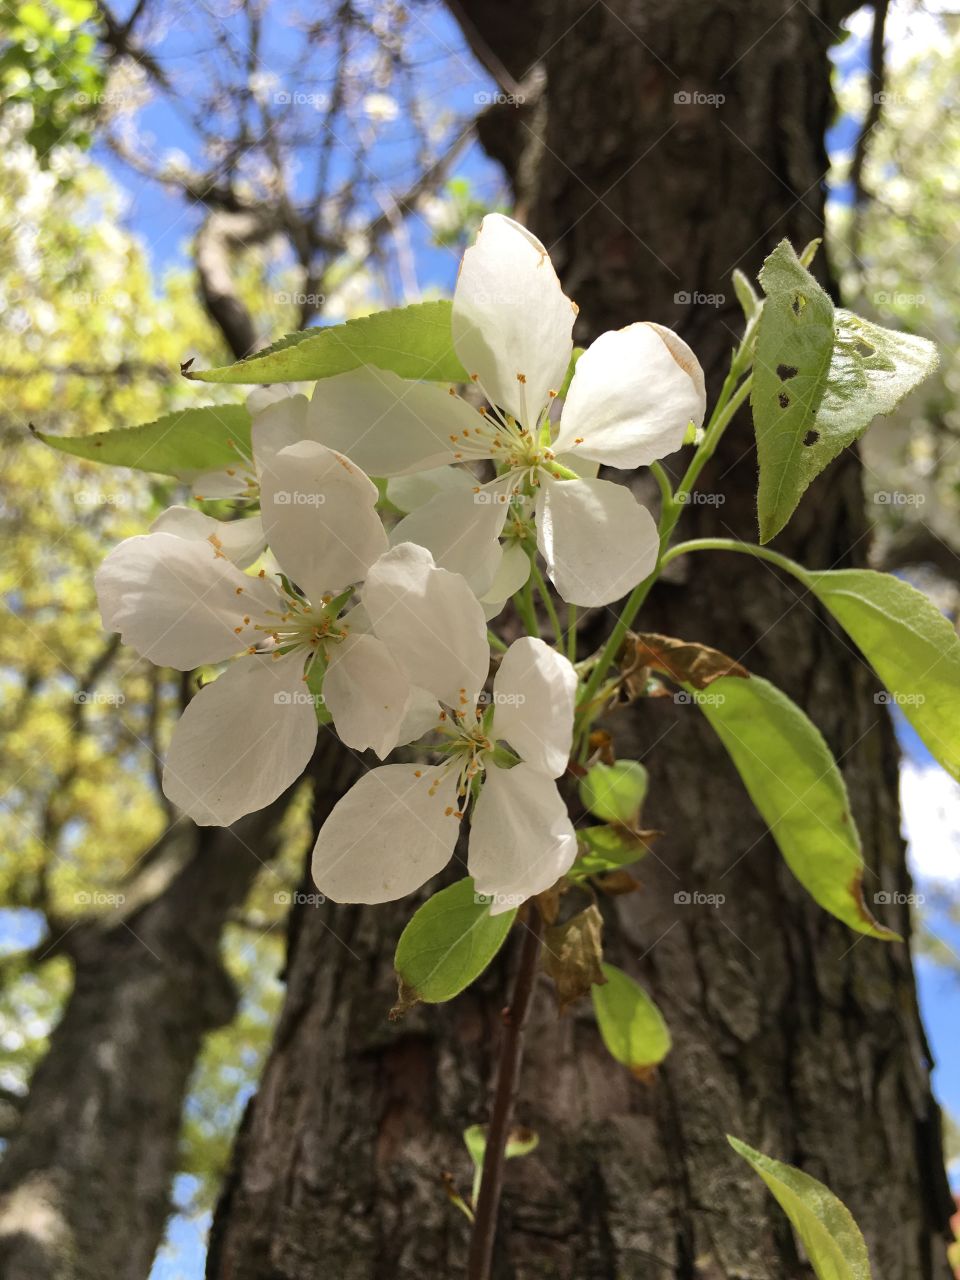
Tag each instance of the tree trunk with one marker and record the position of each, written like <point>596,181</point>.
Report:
<point>789,1030</point>
<point>85,1181</point>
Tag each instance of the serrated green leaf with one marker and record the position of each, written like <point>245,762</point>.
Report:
<point>911,646</point>
<point>793,779</point>
<point>794,346</point>
<point>414,342</point>
<point>615,792</point>
<point>816,391</point>
<point>830,1235</point>
<point>630,1023</point>
<point>447,944</point>
<point>182,444</point>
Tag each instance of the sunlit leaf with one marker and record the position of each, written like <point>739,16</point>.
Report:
<point>447,944</point>
<point>414,342</point>
<point>911,646</point>
<point>830,1235</point>
<point>630,1023</point>
<point>793,779</point>
<point>183,444</point>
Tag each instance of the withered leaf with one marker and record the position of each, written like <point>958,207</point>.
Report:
<point>686,661</point>
<point>618,882</point>
<point>572,955</point>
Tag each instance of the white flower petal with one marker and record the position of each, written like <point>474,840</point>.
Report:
<point>410,492</point>
<point>261,398</point>
<point>512,318</point>
<point>521,837</point>
<point>278,423</point>
<point>512,574</point>
<point>421,716</point>
<point>632,397</point>
<point>431,621</point>
<point>241,741</point>
<point>241,541</point>
<point>389,425</point>
<point>366,693</point>
<point>226,482</point>
<point>533,701</point>
<point>461,531</point>
<point>179,602</point>
<point>388,835</point>
<point>319,513</point>
<point>598,541</point>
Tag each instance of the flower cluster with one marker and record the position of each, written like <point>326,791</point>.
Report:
<point>328,615</point>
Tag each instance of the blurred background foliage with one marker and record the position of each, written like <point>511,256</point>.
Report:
<point>93,327</point>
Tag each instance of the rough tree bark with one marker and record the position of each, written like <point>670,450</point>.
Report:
<point>789,1031</point>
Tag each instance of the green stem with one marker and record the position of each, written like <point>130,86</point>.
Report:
<point>544,591</point>
<point>731,544</point>
<point>523,600</point>
<point>572,616</point>
<point>495,642</point>
<point>728,402</point>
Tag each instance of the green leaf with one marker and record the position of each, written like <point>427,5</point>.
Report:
<point>182,444</point>
<point>794,346</point>
<point>630,1023</point>
<point>821,377</point>
<point>608,848</point>
<point>520,1142</point>
<point>830,1236</point>
<point>793,779</point>
<point>746,294</point>
<point>911,646</point>
<point>615,792</point>
<point>414,342</point>
<point>447,944</point>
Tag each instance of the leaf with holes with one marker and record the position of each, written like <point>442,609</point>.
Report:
<point>631,1025</point>
<point>794,347</point>
<point>830,1235</point>
<point>815,393</point>
<point>413,342</point>
<point>793,779</point>
<point>182,444</point>
<point>909,643</point>
<point>447,944</point>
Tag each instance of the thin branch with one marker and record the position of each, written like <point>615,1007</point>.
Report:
<point>508,1076</point>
